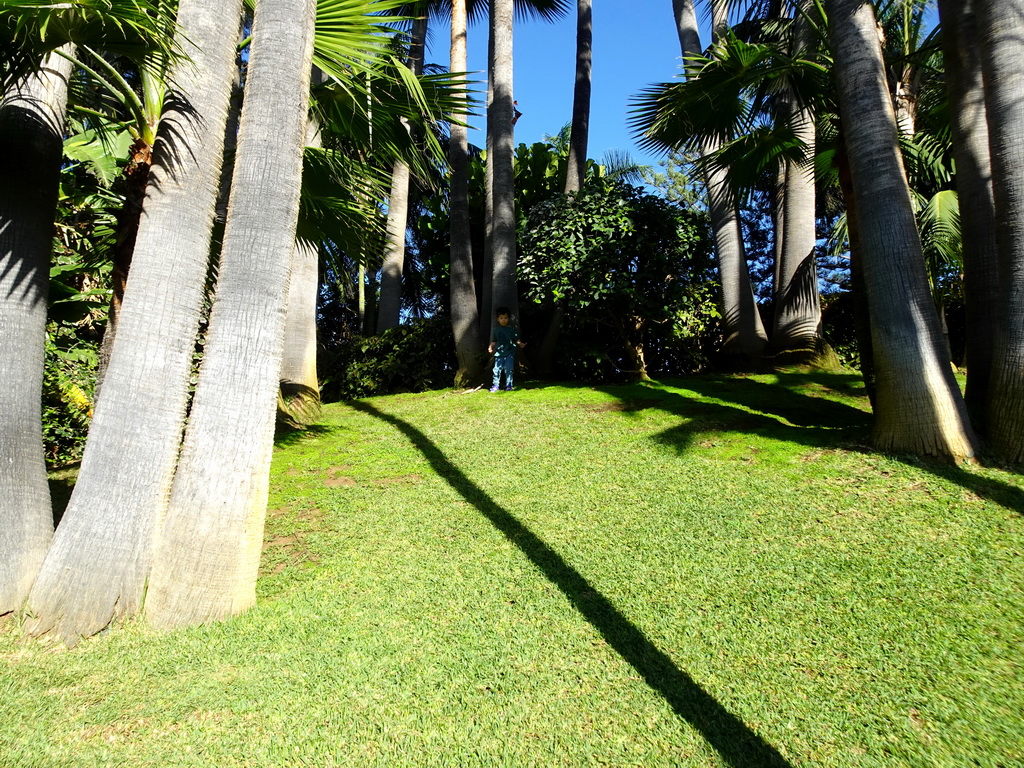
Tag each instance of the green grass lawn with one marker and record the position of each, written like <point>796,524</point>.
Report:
<point>707,571</point>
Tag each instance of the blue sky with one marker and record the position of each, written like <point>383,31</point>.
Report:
<point>635,45</point>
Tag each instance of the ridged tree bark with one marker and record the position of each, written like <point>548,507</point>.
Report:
<point>388,312</point>
<point>918,407</point>
<point>1001,40</point>
<point>744,333</point>
<point>96,568</point>
<point>576,167</point>
<point>465,317</point>
<point>32,116</point>
<point>207,554</point>
<point>797,334</point>
<point>298,404</point>
<point>974,188</point>
<point>502,159</point>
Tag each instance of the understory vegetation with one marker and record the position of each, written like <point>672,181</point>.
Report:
<point>701,571</point>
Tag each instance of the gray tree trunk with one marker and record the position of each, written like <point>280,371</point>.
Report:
<point>207,554</point>
<point>1001,40</point>
<point>299,401</point>
<point>918,404</point>
<point>744,333</point>
<point>974,188</point>
<point>502,158</point>
<point>32,116</point>
<point>577,164</point>
<point>797,332</point>
<point>388,312</point>
<point>97,566</point>
<point>465,317</point>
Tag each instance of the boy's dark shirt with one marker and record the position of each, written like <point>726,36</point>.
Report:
<point>505,337</point>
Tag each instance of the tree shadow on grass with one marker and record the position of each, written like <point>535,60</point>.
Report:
<point>734,740</point>
<point>748,405</point>
<point>288,436</point>
<point>731,404</point>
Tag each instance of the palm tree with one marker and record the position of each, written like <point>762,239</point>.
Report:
<point>299,397</point>
<point>207,553</point>
<point>918,408</point>
<point>1001,26</point>
<point>500,276</point>
<point>797,332</point>
<point>98,563</point>
<point>501,160</point>
<point>745,337</point>
<point>974,187</point>
<point>577,167</point>
<point>464,311</point>
<point>398,202</point>
<point>32,115</point>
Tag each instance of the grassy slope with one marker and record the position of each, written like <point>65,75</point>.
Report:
<point>712,572</point>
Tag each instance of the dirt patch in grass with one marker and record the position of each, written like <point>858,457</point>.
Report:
<point>400,480</point>
<point>335,478</point>
<point>290,547</point>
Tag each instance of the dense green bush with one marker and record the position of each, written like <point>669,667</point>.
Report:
<point>69,381</point>
<point>634,276</point>
<point>413,357</point>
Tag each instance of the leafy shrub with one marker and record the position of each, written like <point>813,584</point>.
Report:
<point>69,382</point>
<point>408,358</point>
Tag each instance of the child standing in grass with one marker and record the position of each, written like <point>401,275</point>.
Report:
<point>504,339</point>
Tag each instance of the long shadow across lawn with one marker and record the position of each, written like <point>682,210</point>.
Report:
<point>729,735</point>
<point>813,421</point>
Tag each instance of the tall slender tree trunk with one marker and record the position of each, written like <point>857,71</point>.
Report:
<point>1001,27</point>
<point>797,335</point>
<point>861,316</point>
<point>299,402</point>
<point>96,568</point>
<point>974,188</point>
<point>918,404</point>
<point>576,167</point>
<point>499,117</point>
<point>207,554</point>
<point>398,207</point>
<point>32,116</point>
<point>465,317</point>
<point>486,319</point>
<point>744,333</point>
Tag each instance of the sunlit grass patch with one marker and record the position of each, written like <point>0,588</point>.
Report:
<point>705,571</point>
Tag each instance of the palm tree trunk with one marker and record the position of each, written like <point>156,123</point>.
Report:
<point>96,569</point>
<point>465,318</point>
<point>32,116</point>
<point>918,404</point>
<point>499,117</point>
<point>797,332</point>
<point>298,403</point>
<point>1001,25</point>
<point>974,188</point>
<point>208,550</point>
<point>577,163</point>
<point>398,208</point>
<point>742,327</point>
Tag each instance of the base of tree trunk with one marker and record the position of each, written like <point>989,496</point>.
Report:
<point>817,355</point>
<point>298,405</point>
